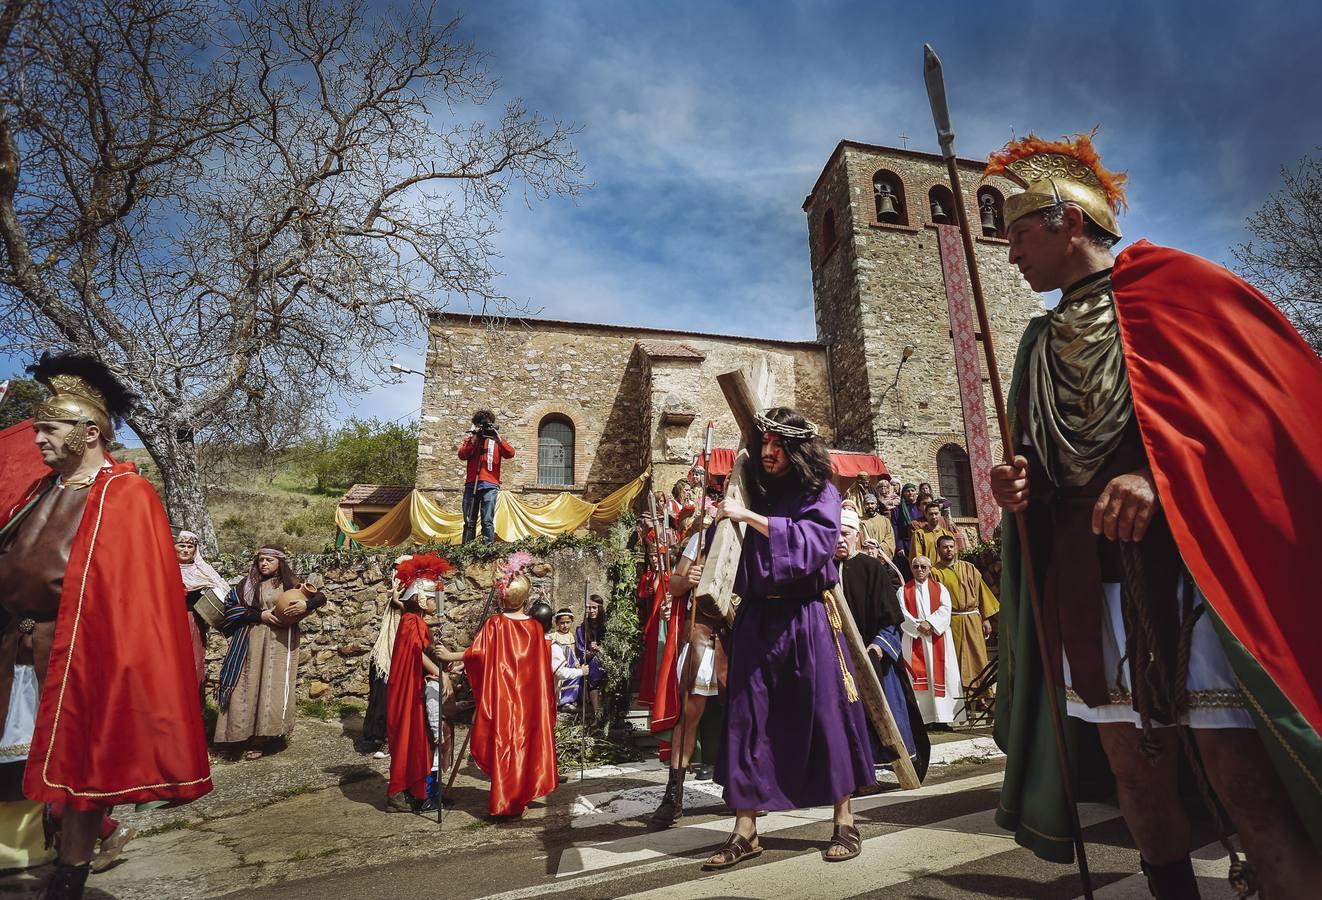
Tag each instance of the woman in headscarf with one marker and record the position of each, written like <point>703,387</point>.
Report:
<point>903,516</point>
<point>198,577</point>
<point>259,678</point>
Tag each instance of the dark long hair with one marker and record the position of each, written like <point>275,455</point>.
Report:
<point>810,464</point>
<point>250,592</point>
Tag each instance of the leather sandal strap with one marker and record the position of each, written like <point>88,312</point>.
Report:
<point>736,847</point>
<point>847,836</point>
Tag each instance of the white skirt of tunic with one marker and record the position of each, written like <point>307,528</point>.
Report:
<point>704,685</point>
<point>21,720</point>
<point>1215,700</point>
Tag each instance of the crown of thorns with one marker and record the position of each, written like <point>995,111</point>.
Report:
<point>765,424</point>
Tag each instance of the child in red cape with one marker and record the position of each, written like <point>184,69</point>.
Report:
<point>412,662</point>
<point>509,668</point>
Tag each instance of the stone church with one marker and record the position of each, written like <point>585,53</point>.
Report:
<point>588,406</point>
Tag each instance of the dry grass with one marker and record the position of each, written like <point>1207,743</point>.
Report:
<point>260,501</point>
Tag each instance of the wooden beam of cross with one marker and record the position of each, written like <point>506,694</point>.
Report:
<point>717,583</point>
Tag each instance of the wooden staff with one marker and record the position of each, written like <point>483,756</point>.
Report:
<point>702,488</point>
<point>583,688</point>
<point>936,95</point>
<point>454,771</point>
<point>693,595</point>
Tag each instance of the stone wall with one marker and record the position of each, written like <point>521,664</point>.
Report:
<point>336,641</point>
<point>637,398</point>
<point>879,287</point>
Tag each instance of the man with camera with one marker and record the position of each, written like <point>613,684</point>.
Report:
<point>483,449</point>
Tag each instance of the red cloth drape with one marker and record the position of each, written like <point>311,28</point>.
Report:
<point>509,668</point>
<point>119,720</point>
<point>844,463</point>
<point>406,713</point>
<point>1229,402</point>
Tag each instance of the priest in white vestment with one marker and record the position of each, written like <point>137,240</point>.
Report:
<point>929,647</point>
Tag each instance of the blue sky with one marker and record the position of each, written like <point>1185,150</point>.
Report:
<point>704,125</point>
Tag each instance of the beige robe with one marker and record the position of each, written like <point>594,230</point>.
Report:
<point>262,704</point>
<point>923,542</point>
<point>879,529</point>
<point>972,602</point>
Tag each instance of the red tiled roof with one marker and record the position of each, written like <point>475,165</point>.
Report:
<point>375,494</point>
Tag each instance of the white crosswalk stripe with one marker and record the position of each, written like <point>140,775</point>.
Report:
<point>695,836</point>
<point>1210,865</point>
<point>888,859</point>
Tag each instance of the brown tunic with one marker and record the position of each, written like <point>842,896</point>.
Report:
<point>262,704</point>
<point>33,557</point>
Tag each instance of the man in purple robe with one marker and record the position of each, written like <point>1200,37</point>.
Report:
<point>795,730</point>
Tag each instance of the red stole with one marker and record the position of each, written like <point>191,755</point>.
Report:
<point>917,665</point>
<point>406,713</point>
<point>118,721</point>
<point>509,667</point>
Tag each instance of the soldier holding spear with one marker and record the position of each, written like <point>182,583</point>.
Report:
<point>1129,603</point>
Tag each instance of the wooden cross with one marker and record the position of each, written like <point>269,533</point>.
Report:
<point>718,573</point>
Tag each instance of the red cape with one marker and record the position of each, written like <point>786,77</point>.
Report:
<point>513,738</point>
<point>119,720</point>
<point>406,714</point>
<point>1229,402</point>
<point>660,683</point>
<point>20,464</point>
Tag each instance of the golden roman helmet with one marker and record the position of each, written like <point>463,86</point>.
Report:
<point>73,399</point>
<point>1050,172</point>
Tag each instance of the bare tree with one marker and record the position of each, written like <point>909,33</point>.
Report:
<point>226,200</point>
<point>1284,256</point>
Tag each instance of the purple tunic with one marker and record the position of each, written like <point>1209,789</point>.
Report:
<point>792,739</point>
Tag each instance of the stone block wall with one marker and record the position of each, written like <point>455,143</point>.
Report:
<point>636,397</point>
<point>336,641</point>
<point>880,288</point>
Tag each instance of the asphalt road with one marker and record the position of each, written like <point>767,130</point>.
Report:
<point>939,842</point>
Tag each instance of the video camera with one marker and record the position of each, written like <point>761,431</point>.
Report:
<point>484,425</point>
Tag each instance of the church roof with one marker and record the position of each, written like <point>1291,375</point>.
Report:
<point>637,332</point>
<point>670,350</point>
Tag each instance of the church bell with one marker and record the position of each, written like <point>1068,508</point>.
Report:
<point>939,215</point>
<point>989,216</point>
<point>886,208</point>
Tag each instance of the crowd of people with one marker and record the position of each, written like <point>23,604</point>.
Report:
<point>1166,643</point>
<point>925,614</point>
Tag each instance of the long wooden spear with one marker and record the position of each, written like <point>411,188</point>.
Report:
<point>687,636</point>
<point>945,135</point>
<point>454,771</point>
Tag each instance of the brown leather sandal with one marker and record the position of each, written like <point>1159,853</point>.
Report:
<point>847,838</point>
<point>735,850</point>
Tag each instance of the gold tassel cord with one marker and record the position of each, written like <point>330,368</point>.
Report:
<point>833,616</point>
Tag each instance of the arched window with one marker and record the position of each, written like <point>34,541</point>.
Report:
<point>956,480</point>
<point>828,230</point>
<point>991,211</point>
<point>888,196</point>
<point>941,206</point>
<point>555,451</point>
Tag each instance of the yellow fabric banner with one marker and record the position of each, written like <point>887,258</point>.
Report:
<point>418,519</point>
